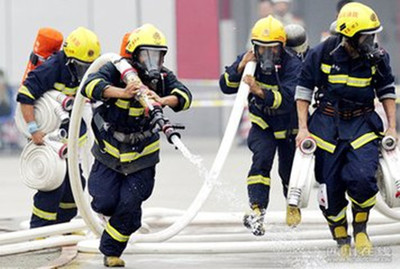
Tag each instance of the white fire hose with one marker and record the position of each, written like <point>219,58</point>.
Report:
<point>93,221</point>
<point>385,234</point>
<point>91,246</point>
<point>49,113</point>
<point>43,167</point>
<point>388,177</point>
<point>301,175</point>
<point>87,214</point>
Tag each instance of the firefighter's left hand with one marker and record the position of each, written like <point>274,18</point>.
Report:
<point>153,95</point>
<point>129,91</point>
<point>391,131</point>
<point>254,87</point>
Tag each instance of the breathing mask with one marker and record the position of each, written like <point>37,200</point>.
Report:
<point>268,57</point>
<point>367,46</point>
<point>77,68</point>
<point>148,62</point>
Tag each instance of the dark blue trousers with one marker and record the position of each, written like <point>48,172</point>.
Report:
<point>52,207</point>
<point>263,144</point>
<point>347,170</point>
<point>120,197</point>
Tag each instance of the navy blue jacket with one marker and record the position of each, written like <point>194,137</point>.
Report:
<point>53,74</point>
<point>348,85</point>
<point>128,116</point>
<point>276,110</point>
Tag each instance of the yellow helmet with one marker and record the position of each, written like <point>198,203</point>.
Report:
<point>148,36</point>
<point>268,30</point>
<point>356,18</point>
<point>82,45</point>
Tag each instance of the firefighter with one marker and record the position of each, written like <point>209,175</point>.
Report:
<point>127,151</point>
<point>63,71</point>
<point>272,113</point>
<point>349,69</point>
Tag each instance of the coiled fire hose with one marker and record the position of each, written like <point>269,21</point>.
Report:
<point>44,167</point>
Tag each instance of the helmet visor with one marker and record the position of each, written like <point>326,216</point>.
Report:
<point>366,42</point>
<point>367,46</point>
<point>151,58</point>
<point>79,68</point>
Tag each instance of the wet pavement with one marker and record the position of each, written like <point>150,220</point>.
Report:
<point>176,186</point>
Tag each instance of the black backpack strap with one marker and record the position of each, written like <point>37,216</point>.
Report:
<point>99,125</point>
<point>329,46</point>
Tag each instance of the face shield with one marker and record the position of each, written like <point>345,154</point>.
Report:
<point>268,56</point>
<point>149,62</point>
<point>367,46</point>
<point>78,68</point>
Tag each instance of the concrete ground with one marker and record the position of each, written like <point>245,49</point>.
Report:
<point>176,186</point>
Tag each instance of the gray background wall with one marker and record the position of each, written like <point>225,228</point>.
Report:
<point>110,20</point>
<point>20,20</point>
<point>318,15</point>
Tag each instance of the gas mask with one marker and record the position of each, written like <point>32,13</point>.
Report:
<point>148,62</point>
<point>367,46</point>
<point>77,68</point>
<point>268,57</point>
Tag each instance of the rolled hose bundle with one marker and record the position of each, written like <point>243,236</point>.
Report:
<point>301,176</point>
<point>43,167</point>
<point>65,101</point>
<point>49,115</point>
<point>388,173</point>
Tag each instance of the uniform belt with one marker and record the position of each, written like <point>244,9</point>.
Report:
<point>129,138</point>
<point>345,114</point>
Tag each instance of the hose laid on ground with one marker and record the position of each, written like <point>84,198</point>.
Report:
<point>50,242</point>
<point>56,229</point>
<point>195,243</point>
<point>162,217</point>
<point>285,233</point>
<point>220,221</point>
<point>91,246</point>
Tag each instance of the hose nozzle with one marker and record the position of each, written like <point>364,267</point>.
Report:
<point>389,143</point>
<point>161,123</point>
<point>170,131</point>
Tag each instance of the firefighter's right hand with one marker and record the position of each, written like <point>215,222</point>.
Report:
<point>248,57</point>
<point>301,135</point>
<point>131,90</point>
<point>37,137</point>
